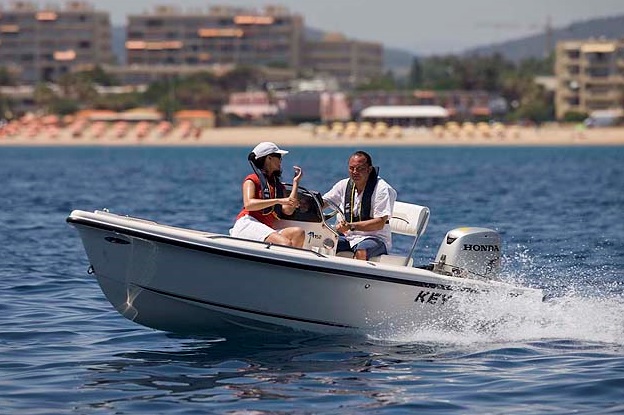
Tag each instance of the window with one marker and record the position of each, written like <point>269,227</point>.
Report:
<point>574,70</point>
<point>574,101</point>
<point>154,23</point>
<point>574,54</point>
<point>598,72</point>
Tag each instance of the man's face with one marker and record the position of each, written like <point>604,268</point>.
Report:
<point>359,169</point>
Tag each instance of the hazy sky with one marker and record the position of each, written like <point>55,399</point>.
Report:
<point>423,27</point>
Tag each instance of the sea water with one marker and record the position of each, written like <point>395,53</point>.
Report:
<point>560,211</point>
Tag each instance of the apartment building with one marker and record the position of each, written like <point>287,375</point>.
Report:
<point>351,62</point>
<point>41,44</point>
<point>271,36</point>
<point>223,35</point>
<point>590,76</point>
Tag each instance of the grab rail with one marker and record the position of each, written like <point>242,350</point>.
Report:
<point>267,245</point>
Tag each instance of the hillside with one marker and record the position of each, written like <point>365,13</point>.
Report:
<point>527,47</point>
<point>537,45</point>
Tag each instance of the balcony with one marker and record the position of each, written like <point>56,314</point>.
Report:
<point>566,60</point>
<point>610,95</point>
<point>603,80</point>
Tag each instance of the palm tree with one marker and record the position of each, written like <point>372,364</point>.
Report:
<point>44,96</point>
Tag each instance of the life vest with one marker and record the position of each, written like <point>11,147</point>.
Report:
<point>365,212</point>
<point>264,190</point>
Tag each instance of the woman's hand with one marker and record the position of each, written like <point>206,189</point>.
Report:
<point>288,201</point>
<point>298,174</point>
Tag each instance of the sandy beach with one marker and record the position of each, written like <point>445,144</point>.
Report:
<point>307,136</point>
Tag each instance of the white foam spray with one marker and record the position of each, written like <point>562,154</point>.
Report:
<point>579,307</point>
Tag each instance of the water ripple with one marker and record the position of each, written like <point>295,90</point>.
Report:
<point>63,349</point>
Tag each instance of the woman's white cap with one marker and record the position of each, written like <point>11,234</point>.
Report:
<point>265,148</point>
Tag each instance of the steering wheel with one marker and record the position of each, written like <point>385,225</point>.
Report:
<point>332,210</point>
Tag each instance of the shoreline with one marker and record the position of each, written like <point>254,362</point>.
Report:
<point>300,136</point>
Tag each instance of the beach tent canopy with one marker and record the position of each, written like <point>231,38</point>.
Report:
<point>199,118</point>
<point>136,114</point>
<point>193,114</point>
<point>405,111</point>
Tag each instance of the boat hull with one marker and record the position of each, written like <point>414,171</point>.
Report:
<point>187,281</point>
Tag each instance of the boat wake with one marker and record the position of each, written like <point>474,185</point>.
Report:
<point>580,306</point>
<point>571,317</point>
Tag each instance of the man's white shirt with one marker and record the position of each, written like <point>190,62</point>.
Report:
<point>382,204</point>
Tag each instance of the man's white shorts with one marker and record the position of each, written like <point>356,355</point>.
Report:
<point>248,227</point>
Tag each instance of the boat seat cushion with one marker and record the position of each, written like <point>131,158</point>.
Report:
<point>409,219</point>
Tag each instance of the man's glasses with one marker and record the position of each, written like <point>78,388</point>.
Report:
<point>358,169</point>
<point>276,155</point>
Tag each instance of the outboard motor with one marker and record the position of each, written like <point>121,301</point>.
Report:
<point>470,253</point>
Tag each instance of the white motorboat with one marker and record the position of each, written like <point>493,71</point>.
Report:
<point>191,281</point>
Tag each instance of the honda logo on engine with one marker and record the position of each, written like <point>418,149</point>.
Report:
<point>484,248</point>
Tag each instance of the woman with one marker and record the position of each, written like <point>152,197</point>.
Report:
<point>264,199</point>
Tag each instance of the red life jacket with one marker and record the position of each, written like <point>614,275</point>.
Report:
<point>266,216</point>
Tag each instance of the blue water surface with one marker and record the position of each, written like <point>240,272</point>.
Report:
<point>560,211</point>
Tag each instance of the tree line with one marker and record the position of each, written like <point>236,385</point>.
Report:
<point>513,81</point>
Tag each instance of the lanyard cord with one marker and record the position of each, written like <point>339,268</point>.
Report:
<point>353,205</point>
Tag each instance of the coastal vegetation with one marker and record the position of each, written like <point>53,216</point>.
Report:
<point>515,82</point>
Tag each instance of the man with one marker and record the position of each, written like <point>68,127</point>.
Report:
<point>367,201</point>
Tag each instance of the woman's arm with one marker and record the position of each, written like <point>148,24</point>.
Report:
<point>293,203</point>
<point>251,203</point>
